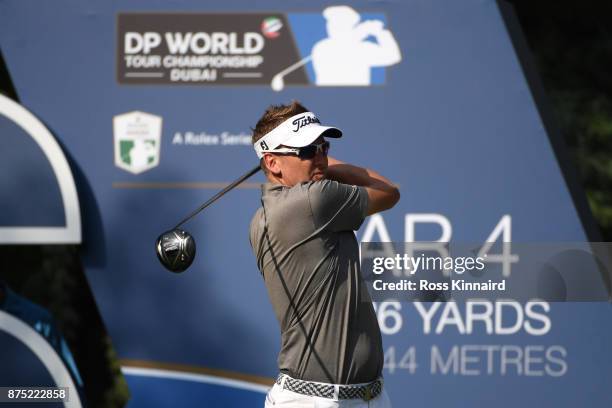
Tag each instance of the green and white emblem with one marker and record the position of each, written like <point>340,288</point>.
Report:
<point>137,141</point>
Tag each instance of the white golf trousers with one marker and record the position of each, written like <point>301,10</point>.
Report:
<point>281,398</point>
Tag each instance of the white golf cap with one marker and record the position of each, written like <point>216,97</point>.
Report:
<point>298,131</point>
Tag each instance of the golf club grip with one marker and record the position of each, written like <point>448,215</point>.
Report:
<point>219,194</point>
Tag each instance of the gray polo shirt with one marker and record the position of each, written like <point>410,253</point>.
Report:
<point>308,255</point>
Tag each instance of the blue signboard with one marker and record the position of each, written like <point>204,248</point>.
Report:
<point>154,104</point>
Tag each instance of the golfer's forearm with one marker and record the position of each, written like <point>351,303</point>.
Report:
<point>389,51</point>
<point>382,192</point>
<point>351,174</point>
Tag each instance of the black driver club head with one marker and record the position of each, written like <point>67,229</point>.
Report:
<point>176,250</point>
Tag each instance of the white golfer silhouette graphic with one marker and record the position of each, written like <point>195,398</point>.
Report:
<point>345,58</point>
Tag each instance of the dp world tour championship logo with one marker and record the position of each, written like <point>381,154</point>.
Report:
<point>336,46</point>
<point>137,141</point>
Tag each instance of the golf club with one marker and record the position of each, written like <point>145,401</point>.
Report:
<point>278,83</point>
<point>176,248</point>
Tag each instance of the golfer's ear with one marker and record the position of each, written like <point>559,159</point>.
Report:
<point>272,163</point>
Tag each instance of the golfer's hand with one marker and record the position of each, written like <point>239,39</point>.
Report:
<point>368,28</point>
<point>371,27</point>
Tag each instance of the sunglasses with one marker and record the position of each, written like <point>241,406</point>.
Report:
<point>306,152</point>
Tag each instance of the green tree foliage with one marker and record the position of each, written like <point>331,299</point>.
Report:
<point>572,45</point>
<point>52,276</point>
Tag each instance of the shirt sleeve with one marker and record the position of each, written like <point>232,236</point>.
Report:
<point>336,206</point>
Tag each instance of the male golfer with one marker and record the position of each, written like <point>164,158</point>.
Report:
<point>331,351</point>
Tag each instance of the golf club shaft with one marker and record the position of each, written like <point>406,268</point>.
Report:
<point>295,66</point>
<point>219,194</point>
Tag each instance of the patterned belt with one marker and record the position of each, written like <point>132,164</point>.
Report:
<point>365,392</point>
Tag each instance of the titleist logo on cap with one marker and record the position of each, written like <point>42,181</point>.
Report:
<point>304,121</point>
<point>298,130</point>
